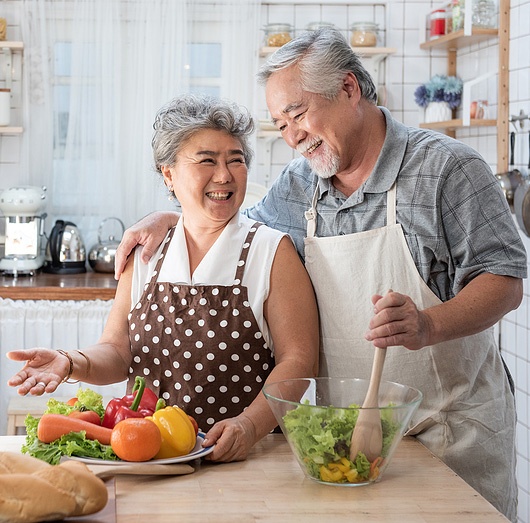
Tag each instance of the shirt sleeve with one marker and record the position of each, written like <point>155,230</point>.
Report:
<point>478,224</point>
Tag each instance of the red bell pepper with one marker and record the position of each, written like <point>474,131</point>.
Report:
<point>141,403</point>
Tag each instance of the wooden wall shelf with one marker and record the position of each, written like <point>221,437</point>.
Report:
<point>459,39</point>
<point>453,125</point>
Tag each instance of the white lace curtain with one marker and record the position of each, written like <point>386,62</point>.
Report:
<point>53,324</point>
<point>128,57</point>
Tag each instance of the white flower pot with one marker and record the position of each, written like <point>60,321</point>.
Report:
<point>438,112</point>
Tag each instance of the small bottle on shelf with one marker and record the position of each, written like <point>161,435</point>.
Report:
<point>458,14</point>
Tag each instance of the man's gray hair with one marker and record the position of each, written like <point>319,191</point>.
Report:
<point>178,120</point>
<point>323,56</point>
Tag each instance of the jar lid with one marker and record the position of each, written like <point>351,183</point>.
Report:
<point>367,26</point>
<point>281,28</point>
<point>313,26</point>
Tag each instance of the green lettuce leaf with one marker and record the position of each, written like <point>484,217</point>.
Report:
<point>320,436</point>
<point>72,444</point>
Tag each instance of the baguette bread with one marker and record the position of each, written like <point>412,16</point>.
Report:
<point>32,490</point>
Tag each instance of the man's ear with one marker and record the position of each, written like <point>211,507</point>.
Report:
<point>351,86</point>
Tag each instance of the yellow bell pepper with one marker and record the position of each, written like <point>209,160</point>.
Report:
<point>178,433</point>
<point>330,476</point>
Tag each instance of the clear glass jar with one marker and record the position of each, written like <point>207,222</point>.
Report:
<point>364,34</point>
<point>277,35</point>
<point>313,26</point>
<point>458,14</point>
<point>484,14</point>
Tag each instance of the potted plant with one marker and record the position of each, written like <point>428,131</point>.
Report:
<point>439,97</point>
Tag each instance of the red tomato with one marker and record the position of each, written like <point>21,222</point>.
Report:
<point>194,423</point>
<point>72,402</point>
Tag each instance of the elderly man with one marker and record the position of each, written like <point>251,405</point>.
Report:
<point>410,245</point>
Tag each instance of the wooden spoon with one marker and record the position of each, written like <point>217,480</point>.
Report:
<point>367,434</point>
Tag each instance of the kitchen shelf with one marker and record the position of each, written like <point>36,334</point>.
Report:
<point>464,38</point>
<point>459,39</point>
<point>6,54</point>
<point>363,51</point>
<point>12,45</point>
<point>457,123</point>
<point>11,130</point>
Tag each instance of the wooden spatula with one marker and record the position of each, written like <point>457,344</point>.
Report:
<point>367,436</point>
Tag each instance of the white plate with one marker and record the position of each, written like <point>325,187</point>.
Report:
<point>198,452</point>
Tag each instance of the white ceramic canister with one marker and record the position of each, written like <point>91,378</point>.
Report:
<point>5,107</point>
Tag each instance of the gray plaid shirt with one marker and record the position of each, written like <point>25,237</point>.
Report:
<point>454,215</point>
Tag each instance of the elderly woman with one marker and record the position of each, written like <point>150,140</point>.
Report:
<point>224,306</point>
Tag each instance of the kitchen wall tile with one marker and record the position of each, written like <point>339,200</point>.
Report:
<point>396,15</point>
<point>522,474</point>
<point>408,99</point>
<point>415,13</point>
<point>416,70</point>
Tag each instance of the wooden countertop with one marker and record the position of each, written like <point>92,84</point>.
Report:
<point>270,487</point>
<point>86,286</point>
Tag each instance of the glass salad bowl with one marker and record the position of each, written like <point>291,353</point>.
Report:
<point>317,417</point>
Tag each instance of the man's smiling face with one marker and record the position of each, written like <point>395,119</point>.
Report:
<point>311,124</point>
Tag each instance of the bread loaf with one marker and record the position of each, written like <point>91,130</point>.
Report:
<point>32,490</point>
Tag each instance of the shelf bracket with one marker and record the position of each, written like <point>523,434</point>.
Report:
<point>8,66</point>
<point>268,140</point>
<point>466,97</point>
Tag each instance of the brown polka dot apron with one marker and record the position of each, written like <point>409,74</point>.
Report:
<point>199,346</point>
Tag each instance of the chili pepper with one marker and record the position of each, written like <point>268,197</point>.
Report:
<point>132,405</point>
<point>178,434</point>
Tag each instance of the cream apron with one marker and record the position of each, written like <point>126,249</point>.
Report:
<point>467,416</point>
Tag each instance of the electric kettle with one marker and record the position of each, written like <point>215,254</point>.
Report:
<point>65,252</point>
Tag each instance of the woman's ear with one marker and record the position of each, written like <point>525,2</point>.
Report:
<point>166,173</point>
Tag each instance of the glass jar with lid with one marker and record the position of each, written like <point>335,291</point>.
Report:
<point>484,14</point>
<point>277,35</point>
<point>313,26</point>
<point>364,34</point>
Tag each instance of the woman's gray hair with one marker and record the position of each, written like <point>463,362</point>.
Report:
<point>178,120</point>
<point>323,56</point>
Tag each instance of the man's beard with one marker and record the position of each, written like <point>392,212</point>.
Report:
<point>325,163</point>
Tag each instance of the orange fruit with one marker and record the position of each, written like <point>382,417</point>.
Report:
<point>135,439</point>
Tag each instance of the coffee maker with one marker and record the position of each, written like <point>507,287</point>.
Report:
<point>24,228</point>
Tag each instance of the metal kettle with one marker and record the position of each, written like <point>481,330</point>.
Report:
<point>65,252</point>
<point>102,255</point>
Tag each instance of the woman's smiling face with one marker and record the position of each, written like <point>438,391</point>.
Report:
<point>209,177</point>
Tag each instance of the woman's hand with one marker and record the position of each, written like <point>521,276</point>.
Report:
<point>43,372</point>
<point>149,232</point>
<point>233,438</point>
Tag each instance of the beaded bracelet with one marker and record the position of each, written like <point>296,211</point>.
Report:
<point>71,369</point>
